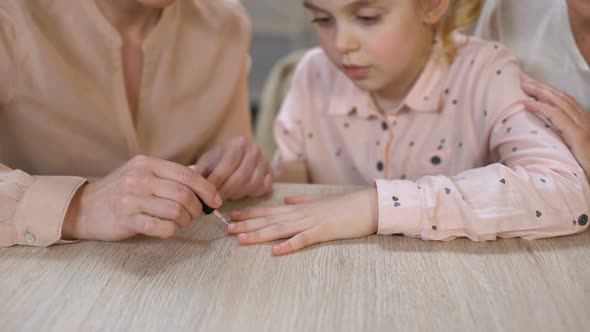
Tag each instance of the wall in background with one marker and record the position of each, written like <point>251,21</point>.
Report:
<point>279,27</point>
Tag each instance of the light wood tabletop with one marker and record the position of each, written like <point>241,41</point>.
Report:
<point>203,280</point>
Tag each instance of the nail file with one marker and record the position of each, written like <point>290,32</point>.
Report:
<point>209,210</point>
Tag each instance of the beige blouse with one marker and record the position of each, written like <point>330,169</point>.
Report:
<point>64,114</point>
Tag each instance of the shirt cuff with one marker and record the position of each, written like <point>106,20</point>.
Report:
<point>400,208</point>
<point>41,210</point>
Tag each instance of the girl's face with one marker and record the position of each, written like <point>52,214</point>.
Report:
<point>381,45</point>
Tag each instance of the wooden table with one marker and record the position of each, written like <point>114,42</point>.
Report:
<point>203,280</point>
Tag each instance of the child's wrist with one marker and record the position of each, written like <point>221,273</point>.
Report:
<point>374,208</point>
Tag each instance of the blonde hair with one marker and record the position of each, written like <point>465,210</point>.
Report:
<point>460,16</point>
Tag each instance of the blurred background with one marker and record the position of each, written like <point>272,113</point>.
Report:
<point>279,28</point>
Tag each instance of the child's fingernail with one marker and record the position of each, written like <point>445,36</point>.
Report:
<point>231,226</point>
<point>218,200</point>
<point>243,236</point>
<point>278,249</point>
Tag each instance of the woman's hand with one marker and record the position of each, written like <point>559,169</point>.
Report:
<point>341,217</point>
<point>565,114</point>
<point>238,169</point>
<point>145,196</point>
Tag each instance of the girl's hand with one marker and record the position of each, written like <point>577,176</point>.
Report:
<point>341,217</point>
<point>566,115</point>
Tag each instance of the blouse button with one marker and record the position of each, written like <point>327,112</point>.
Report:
<point>583,220</point>
<point>435,160</point>
<point>30,238</point>
<point>380,166</point>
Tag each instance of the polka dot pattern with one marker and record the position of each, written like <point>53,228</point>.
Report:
<point>448,139</point>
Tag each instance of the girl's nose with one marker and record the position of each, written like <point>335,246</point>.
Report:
<point>346,42</point>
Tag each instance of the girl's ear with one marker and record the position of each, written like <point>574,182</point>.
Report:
<point>434,10</point>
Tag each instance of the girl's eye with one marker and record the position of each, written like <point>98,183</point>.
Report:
<point>367,18</point>
<point>322,21</point>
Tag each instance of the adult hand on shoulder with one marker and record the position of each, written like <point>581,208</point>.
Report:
<point>572,121</point>
<point>237,169</point>
<point>145,196</point>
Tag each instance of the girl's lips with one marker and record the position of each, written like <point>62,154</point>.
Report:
<point>355,72</point>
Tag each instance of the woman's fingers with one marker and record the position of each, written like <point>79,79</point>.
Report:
<point>547,94</point>
<point>250,178</point>
<point>266,186</point>
<point>188,177</point>
<point>166,210</point>
<point>230,160</point>
<point>261,182</point>
<point>153,226</point>
<point>236,185</point>
<point>177,192</point>
<point>561,120</point>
